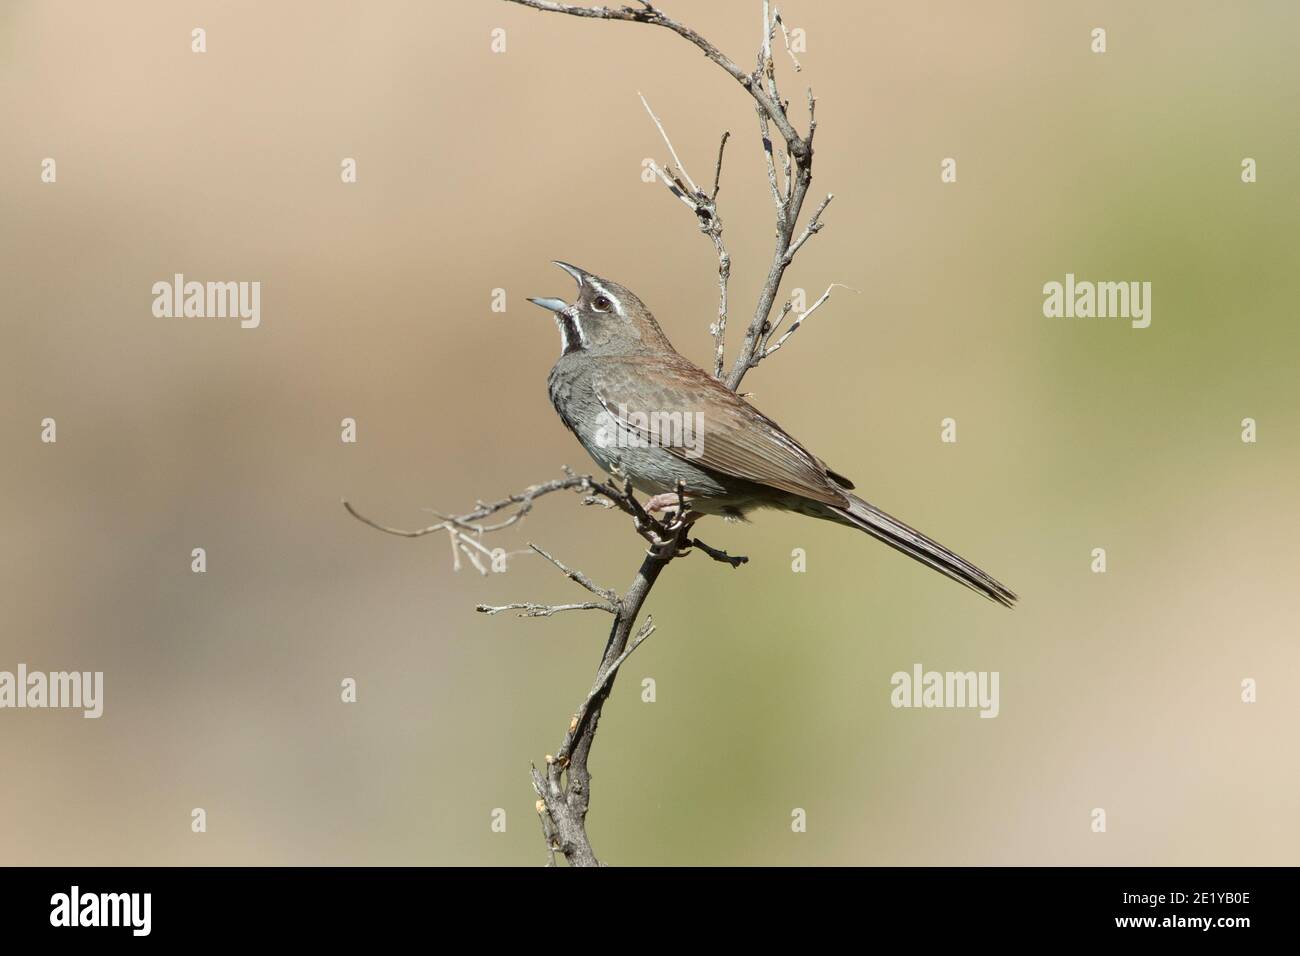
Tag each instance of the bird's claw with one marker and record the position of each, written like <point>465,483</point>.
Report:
<point>662,501</point>
<point>663,548</point>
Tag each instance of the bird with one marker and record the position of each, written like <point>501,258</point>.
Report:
<point>619,385</point>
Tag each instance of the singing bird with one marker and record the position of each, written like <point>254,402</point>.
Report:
<point>617,368</point>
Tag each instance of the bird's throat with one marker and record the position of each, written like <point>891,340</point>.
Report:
<point>571,336</point>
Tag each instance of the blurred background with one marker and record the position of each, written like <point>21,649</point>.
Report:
<point>1118,691</point>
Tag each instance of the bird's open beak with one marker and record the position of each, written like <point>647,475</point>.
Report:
<point>574,271</point>
<point>551,305</point>
<point>559,305</point>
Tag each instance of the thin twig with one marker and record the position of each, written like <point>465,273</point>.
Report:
<point>578,577</point>
<point>603,681</point>
<point>794,326</point>
<point>474,559</point>
<point>523,499</point>
<point>717,172</point>
<point>778,199</point>
<point>786,33</point>
<point>545,610</point>
<point>724,277</point>
<point>655,17</point>
<point>705,208</point>
<point>669,143</point>
<point>814,226</point>
<point>735,561</point>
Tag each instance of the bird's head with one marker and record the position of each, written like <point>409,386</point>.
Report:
<point>604,319</point>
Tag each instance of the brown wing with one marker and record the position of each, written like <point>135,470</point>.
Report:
<point>738,440</point>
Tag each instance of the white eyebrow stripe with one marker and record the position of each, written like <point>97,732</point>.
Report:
<point>605,292</point>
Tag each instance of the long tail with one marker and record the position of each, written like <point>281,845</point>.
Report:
<point>912,543</point>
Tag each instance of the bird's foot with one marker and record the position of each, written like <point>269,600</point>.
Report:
<point>678,504</point>
<point>663,501</point>
<point>671,538</point>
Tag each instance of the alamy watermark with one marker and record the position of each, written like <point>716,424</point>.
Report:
<point>208,300</point>
<point>74,690</point>
<point>130,910</point>
<point>1084,299</point>
<point>946,689</point>
<point>653,429</point>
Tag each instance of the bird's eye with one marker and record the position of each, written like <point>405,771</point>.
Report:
<point>602,303</point>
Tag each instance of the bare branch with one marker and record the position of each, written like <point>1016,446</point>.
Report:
<point>765,64</point>
<point>545,610</point>
<point>724,277</point>
<point>603,681</point>
<point>717,173</point>
<point>794,326</point>
<point>474,559</point>
<point>786,33</point>
<point>814,226</point>
<point>706,211</point>
<point>674,187</point>
<point>548,827</point>
<point>796,164</point>
<point>564,788</point>
<point>787,198</point>
<point>772,329</point>
<point>578,577</point>
<point>777,198</point>
<point>598,693</point>
<point>655,17</point>
<point>694,189</point>
<point>717,555</point>
<point>523,499</point>
<point>451,536</point>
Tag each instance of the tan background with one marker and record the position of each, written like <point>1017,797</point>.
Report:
<point>1118,691</point>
